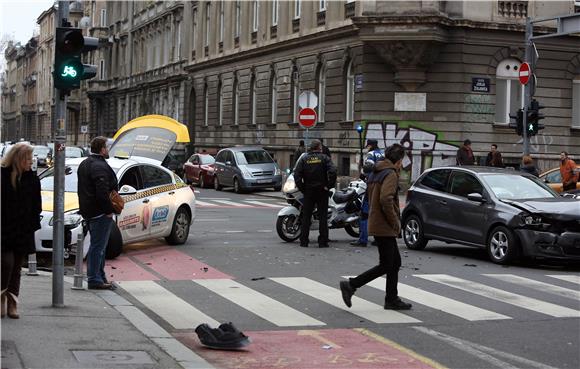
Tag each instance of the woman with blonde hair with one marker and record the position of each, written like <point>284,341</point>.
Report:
<point>21,208</point>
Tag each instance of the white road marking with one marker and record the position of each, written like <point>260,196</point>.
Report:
<point>447,305</point>
<point>212,220</point>
<point>484,353</point>
<point>502,296</point>
<point>544,287</point>
<point>174,310</point>
<point>264,231</point>
<point>262,204</point>
<point>236,231</point>
<point>203,203</point>
<point>568,278</point>
<point>365,309</point>
<point>236,204</point>
<point>258,303</point>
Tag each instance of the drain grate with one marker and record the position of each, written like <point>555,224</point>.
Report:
<point>113,357</point>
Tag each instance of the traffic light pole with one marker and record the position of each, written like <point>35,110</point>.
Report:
<point>528,86</point>
<point>59,174</point>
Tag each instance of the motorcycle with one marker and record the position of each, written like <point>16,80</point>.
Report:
<point>344,208</point>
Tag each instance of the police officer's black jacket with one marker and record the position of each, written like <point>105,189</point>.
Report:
<point>314,170</point>
<point>96,180</point>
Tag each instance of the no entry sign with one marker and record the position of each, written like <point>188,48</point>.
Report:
<point>307,117</point>
<point>525,73</point>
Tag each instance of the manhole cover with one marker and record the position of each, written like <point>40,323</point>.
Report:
<point>113,357</point>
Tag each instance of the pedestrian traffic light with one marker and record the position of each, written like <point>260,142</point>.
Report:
<point>533,124</point>
<point>359,128</point>
<point>69,69</point>
<point>518,125</point>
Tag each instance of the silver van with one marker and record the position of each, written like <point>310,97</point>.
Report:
<point>246,168</point>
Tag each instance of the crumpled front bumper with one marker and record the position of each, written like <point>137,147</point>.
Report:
<point>564,246</point>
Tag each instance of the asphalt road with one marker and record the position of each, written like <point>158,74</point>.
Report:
<point>467,312</point>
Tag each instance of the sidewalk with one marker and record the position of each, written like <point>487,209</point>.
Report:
<point>93,330</point>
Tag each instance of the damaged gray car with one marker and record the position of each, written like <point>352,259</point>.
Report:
<point>511,214</point>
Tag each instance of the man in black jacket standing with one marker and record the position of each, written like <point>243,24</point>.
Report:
<point>314,175</point>
<point>96,180</point>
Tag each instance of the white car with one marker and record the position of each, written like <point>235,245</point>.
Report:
<point>157,202</point>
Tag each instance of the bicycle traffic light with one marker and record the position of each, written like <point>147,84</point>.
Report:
<point>69,69</point>
<point>518,125</point>
<point>533,124</point>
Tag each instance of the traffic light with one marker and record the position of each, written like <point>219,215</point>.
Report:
<point>533,124</point>
<point>69,69</point>
<point>519,122</point>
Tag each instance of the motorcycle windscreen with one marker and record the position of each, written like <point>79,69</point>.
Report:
<point>149,142</point>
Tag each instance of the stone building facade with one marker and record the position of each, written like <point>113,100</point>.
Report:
<point>426,74</point>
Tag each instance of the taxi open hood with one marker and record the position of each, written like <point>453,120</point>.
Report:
<point>149,136</point>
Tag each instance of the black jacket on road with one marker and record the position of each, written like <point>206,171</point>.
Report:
<point>96,180</point>
<point>314,170</point>
<point>21,208</point>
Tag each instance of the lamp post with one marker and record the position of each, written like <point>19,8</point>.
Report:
<point>359,129</point>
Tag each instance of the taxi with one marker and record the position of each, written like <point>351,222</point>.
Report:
<point>157,201</point>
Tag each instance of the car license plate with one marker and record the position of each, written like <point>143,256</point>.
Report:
<point>264,181</point>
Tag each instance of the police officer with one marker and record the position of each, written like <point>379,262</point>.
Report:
<point>373,156</point>
<point>314,175</point>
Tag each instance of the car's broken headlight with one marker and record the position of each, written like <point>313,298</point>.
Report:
<point>532,220</point>
<point>71,218</point>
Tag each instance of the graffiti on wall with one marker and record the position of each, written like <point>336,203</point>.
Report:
<point>538,144</point>
<point>424,150</point>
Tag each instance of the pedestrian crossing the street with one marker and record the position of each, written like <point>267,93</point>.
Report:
<point>549,299</point>
<point>265,203</point>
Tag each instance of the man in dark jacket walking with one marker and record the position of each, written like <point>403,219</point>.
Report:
<point>385,225</point>
<point>96,180</point>
<point>314,175</point>
<point>465,154</point>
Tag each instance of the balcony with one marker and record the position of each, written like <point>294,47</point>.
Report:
<point>159,74</point>
<point>512,9</point>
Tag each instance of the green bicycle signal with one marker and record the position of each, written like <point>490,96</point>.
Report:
<point>69,72</point>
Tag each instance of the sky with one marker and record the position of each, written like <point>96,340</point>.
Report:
<point>18,18</point>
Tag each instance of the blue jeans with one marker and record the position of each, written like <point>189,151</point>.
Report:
<point>363,222</point>
<point>100,229</point>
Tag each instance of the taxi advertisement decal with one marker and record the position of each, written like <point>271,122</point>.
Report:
<point>160,215</point>
<point>129,221</point>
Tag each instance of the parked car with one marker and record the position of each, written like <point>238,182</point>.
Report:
<point>553,178</point>
<point>246,168</point>
<point>511,214</point>
<point>43,155</point>
<point>199,168</point>
<point>75,152</point>
<point>157,201</point>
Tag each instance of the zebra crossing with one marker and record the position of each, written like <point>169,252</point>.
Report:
<point>263,203</point>
<point>181,314</point>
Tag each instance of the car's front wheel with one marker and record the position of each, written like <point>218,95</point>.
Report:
<point>237,186</point>
<point>216,184</point>
<point>180,228</point>
<point>413,233</point>
<point>502,245</point>
<point>115,245</point>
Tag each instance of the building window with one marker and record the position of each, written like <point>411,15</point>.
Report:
<point>576,102</point>
<point>295,87</point>
<point>238,23</point>
<point>322,5</point>
<point>275,12</point>
<point>178,41</point>
<point>220,104</point>
<point>207,23</point>
<point>297,5</point>
<point>205,106</point>
<point>321,77</point>
<point>256,15</point>
<point>236,102</point>
<point>273,98</point>
<point>222,25</point>
<point>349,81</point>
<point>103,17</point>
<point>254,99</point>
<point>102,69</point>
<point>509,92</point>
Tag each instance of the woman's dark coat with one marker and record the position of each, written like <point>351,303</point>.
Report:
<point>21,208</point>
